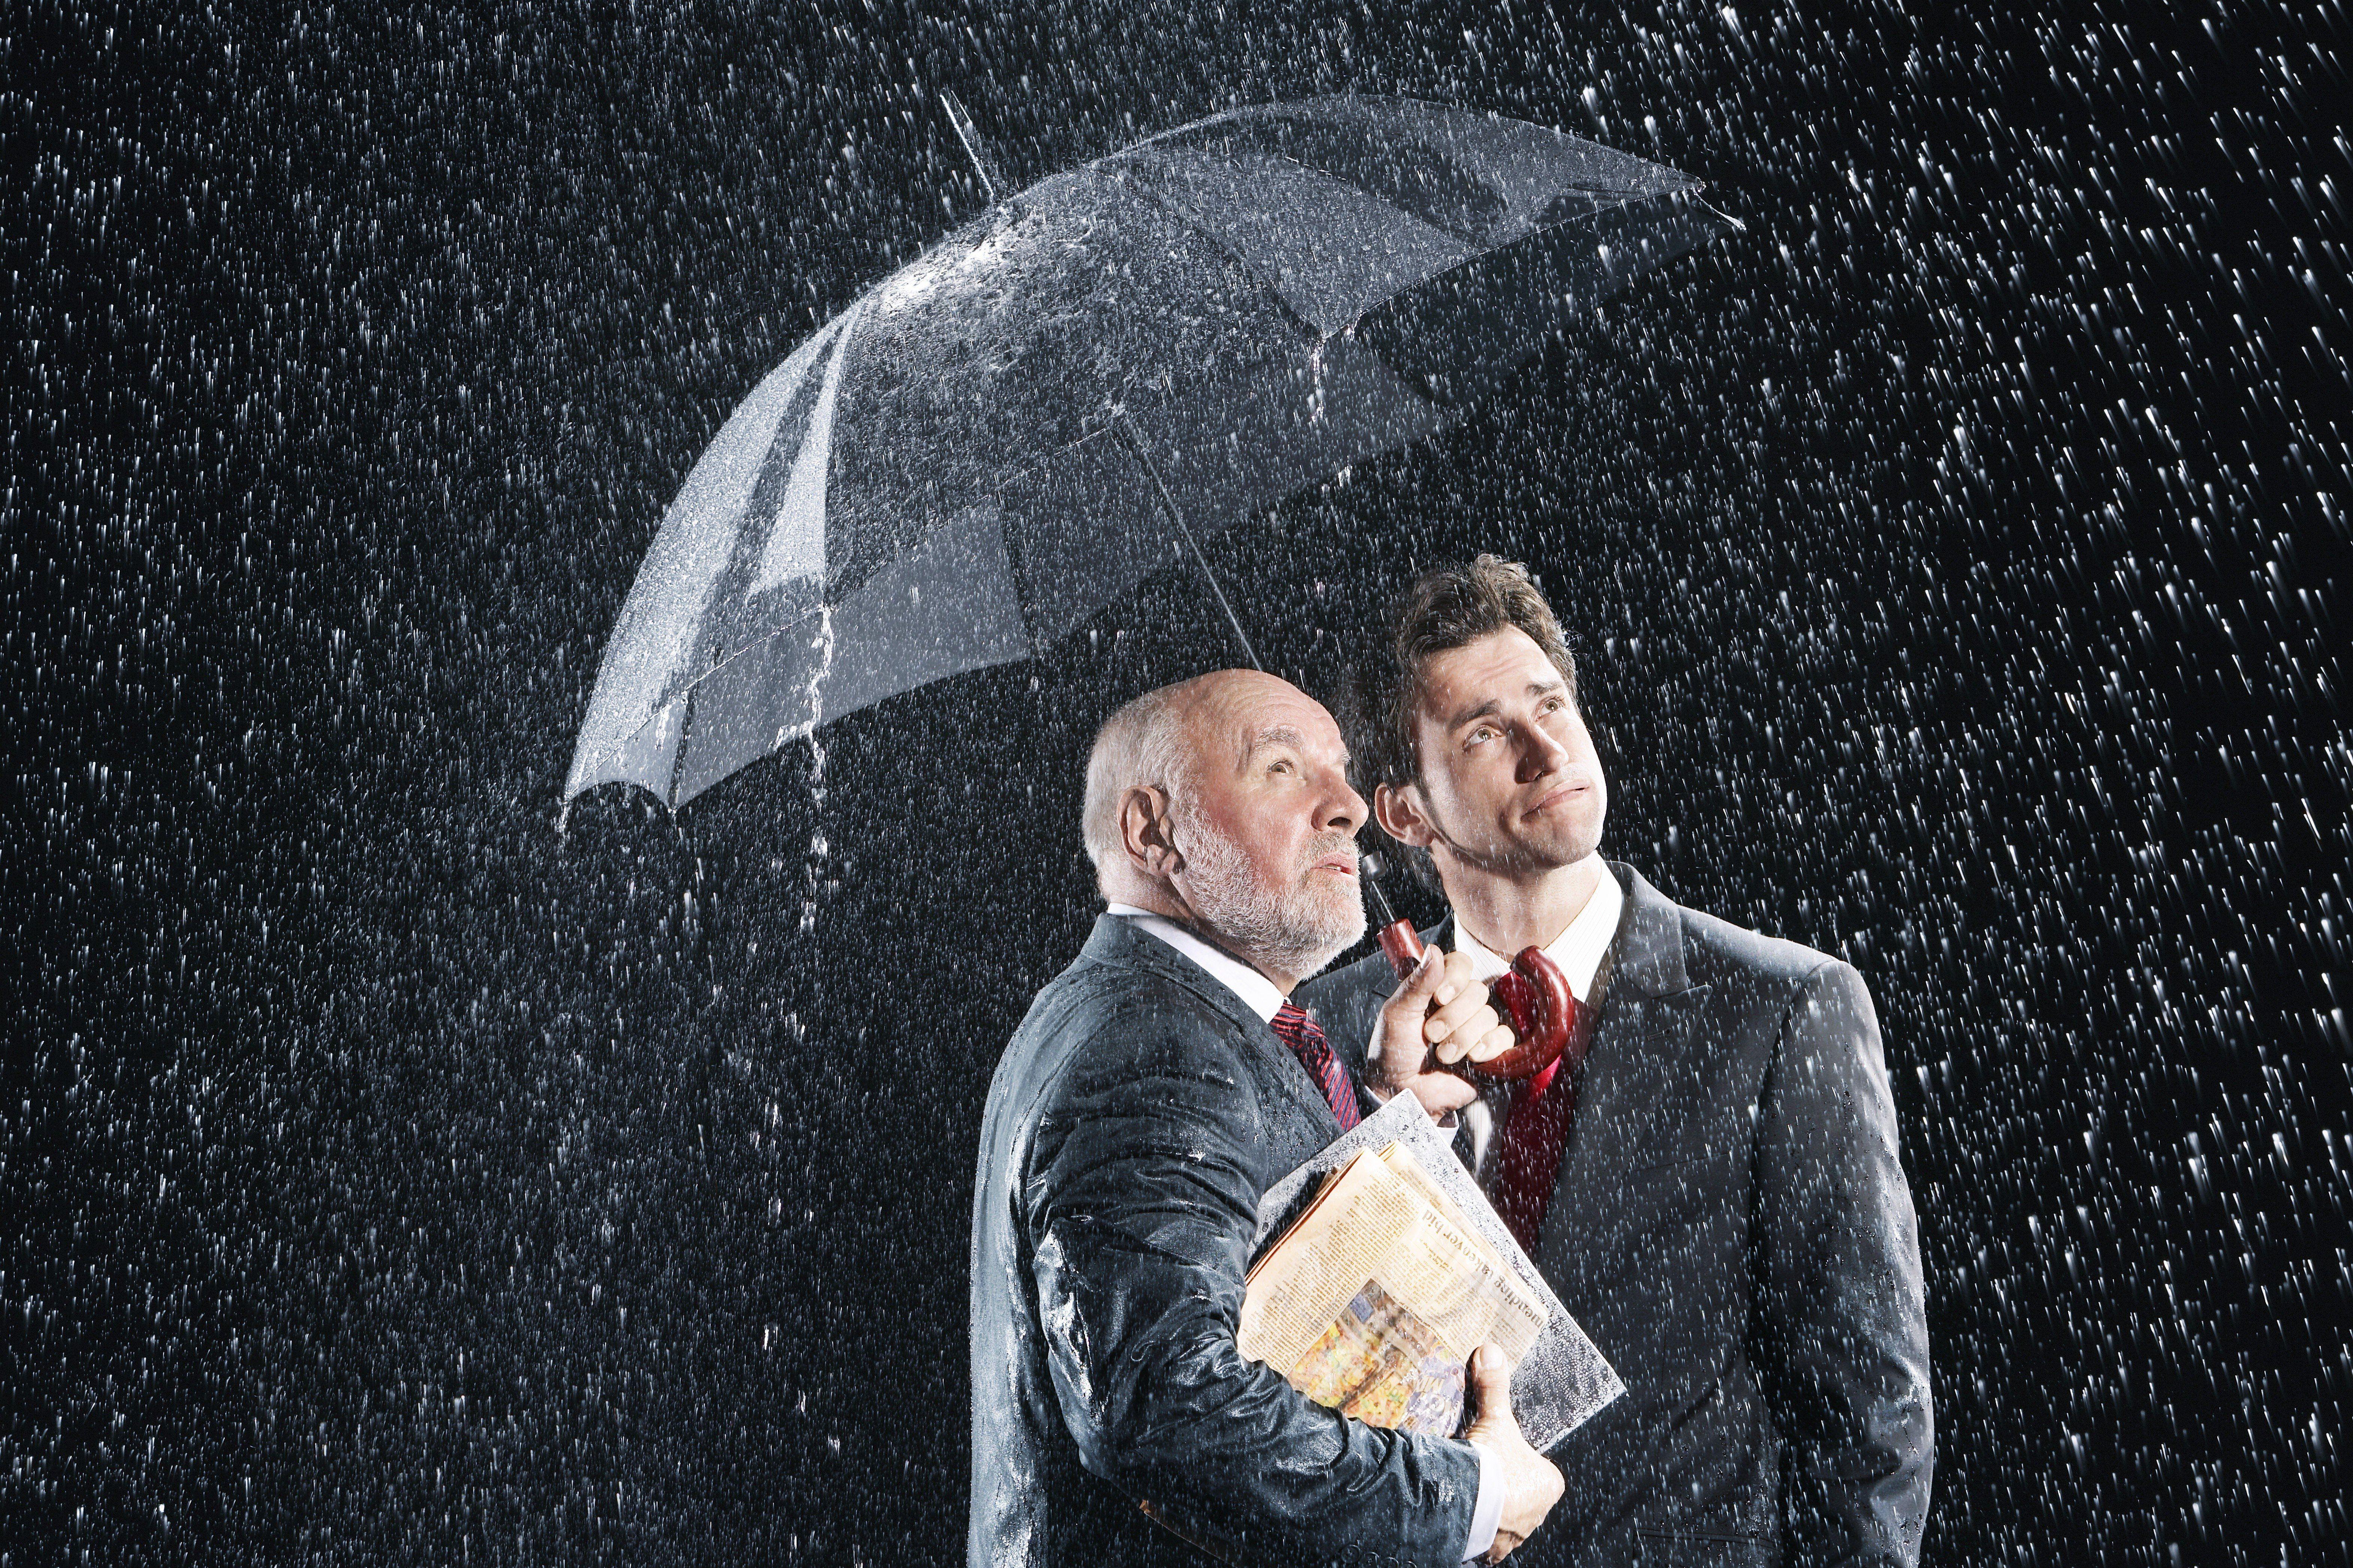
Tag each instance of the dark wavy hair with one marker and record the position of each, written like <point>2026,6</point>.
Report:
<point>1447,607</point>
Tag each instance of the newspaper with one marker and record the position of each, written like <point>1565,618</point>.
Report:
<point>1391,1268</point>
<point>1374,1301</point>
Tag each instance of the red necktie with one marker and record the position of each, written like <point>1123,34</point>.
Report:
<point>1528,1161</point>
<point>1306,1038</point>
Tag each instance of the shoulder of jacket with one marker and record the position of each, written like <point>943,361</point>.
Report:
<point>1714,948</point>
<point>1127,1023</point>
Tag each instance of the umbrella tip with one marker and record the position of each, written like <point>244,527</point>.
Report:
<point>1738,227</point>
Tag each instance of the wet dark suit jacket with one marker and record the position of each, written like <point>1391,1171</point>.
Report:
<point>1733,1228</point>
<point>1137,1116</point>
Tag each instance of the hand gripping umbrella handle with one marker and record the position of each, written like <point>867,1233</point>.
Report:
<point>1534,994</point>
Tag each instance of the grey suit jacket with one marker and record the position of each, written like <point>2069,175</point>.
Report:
<point>1136,1118</point>
<point>1732,1227</point>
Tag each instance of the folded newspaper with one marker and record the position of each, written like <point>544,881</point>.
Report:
<point>1391,1269</point>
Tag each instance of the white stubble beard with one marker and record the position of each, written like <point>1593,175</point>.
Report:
<point>1294,931</point>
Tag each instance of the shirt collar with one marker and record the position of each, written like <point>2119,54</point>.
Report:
<point>1257,991</point>
<point>1578,950</point>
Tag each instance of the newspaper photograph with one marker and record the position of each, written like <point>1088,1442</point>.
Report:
<point>1382,1365</point>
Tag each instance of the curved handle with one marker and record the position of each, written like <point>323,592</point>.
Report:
<point>1542,1010</point>
<point>1534,994</point>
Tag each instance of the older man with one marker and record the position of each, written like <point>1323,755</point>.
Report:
<point>1713,1188</point>
<point>1158,1088</point>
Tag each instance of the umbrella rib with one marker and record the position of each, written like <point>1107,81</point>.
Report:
<point>969,134</point>
<point>1194,224</point>
<point>1168,504</point>
<point>685,736</point>
<point>1585,220</point>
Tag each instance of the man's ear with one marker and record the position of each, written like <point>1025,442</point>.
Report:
<point>1399,809</point>
<point>1146,829</point>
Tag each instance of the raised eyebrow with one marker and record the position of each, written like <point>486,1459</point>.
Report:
<point>1487,710</point>
<point>1280,736</point>
<point>1283,735</point>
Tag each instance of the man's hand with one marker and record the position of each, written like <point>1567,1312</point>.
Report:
<point>1531,1482</point>
<point>1440,1009</point>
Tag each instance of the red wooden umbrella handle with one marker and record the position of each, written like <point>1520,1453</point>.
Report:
<point>1404,945</point>
<point>1533,995</point>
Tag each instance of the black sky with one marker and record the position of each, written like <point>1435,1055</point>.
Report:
<point>1958,561</point>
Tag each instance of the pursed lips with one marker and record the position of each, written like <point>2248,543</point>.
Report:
<point>1567,792</point>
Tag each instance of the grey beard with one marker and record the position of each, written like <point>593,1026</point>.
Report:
<point>1289,931</point>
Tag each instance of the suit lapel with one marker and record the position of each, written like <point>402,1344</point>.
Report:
<point>1118,940</point>
<point>1648,1009</point>
<point>1292,1075</point>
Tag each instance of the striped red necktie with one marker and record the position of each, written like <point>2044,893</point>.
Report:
<point>1527,1162</point>
<point>1306,1038</point>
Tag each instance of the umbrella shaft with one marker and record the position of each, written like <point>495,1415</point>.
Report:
<point>1152,471</point>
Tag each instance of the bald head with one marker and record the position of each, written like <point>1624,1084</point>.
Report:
<point>1155,741</point>
<point>1142,746</point>
<point>1223,802</point>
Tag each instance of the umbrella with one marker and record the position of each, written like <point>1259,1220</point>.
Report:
<point>1074,389</point>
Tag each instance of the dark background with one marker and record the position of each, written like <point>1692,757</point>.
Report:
<point>1958,560</point>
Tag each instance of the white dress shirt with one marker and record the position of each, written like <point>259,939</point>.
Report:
<point>1261,995</point>
<point>1578,950</point>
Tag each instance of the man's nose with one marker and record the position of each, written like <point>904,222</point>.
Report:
<point>1540,752</point>
<point>1341,806</point>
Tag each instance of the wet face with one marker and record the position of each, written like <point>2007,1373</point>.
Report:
<point>1510,783</point>
<point>1267,830</point>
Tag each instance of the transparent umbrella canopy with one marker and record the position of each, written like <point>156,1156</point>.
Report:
<point>1071,391</point>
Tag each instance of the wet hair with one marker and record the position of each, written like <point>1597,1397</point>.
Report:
<point>1447,607</point>
<point>1141,745</point>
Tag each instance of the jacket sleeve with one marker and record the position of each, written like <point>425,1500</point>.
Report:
<point>1844,1351</point>
<point>1140,1207</point>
